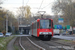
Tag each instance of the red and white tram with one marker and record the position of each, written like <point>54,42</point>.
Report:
<point>42,28</point>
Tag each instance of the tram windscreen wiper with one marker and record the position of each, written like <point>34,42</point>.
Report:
<point>49,26</point>
<point>44,24</point>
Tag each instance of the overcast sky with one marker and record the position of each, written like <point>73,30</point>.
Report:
<point>12,5</point>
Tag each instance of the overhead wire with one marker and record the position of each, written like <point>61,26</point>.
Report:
<point>43,7</point>
<point>46,6</point>
<point>40,5</point>
<point>27,2</point>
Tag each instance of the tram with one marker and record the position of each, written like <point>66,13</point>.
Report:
<point>42,28</point>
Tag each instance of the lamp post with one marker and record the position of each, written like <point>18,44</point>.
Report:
<point>0,8</point>
<point>7,21</point>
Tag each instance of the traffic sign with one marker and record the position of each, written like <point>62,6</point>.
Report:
<point>63,27</point>
<point>60,20</point>
<point>55,26</point>
<point>58,26</point>
<point>68,26</point>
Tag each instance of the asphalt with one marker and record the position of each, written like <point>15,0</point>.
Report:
<point>72,35</point>
<point>10,44</point>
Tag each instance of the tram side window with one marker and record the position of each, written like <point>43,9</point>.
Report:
<point>37,24</point>
<point>33,26</point>
<point>52,24</point>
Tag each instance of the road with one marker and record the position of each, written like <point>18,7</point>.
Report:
<point>65,37</point>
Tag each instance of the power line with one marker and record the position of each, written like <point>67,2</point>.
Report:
<point>27,2</point>
<point>21,3</point>
<point>46,6</point>
<point>13,3</point>
<point>40,5</point>
<point>43,7</point>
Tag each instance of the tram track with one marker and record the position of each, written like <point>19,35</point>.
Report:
<point>27,44</point>
<point>21,44</point>
<point>58,46</point>
<point>62,43</point>
<point>40,43</point>
<point>41,48</point>
<point>53,45</point>
<point>32,43</point>
<point>16,44</point>
<point>48,44</point>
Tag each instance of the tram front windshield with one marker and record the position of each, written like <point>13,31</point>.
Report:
<point>45,24</point>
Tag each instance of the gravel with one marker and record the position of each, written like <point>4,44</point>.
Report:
<point>27,45</point>
<point>45,44</point>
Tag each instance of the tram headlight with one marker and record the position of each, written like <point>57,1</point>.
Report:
<point>50,32</point>
<point>40,32</point>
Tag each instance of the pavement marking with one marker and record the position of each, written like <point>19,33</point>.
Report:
<point>21,44</point>
<point>36,44</point>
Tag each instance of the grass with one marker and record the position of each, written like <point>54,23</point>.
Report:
<point>16,34</point>
<point>4,41</point>
<point>17,45</point>
<point>65,40</point>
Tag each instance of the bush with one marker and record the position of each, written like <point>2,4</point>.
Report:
<point>4,32</point>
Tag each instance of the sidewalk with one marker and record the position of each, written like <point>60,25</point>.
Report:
<point>10,44</point>
<point>73,35</point>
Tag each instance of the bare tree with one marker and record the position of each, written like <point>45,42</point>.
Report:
<point>66,8</point>
<point>24,13</point>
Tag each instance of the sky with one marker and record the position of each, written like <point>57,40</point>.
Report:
<point>13,5</point>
